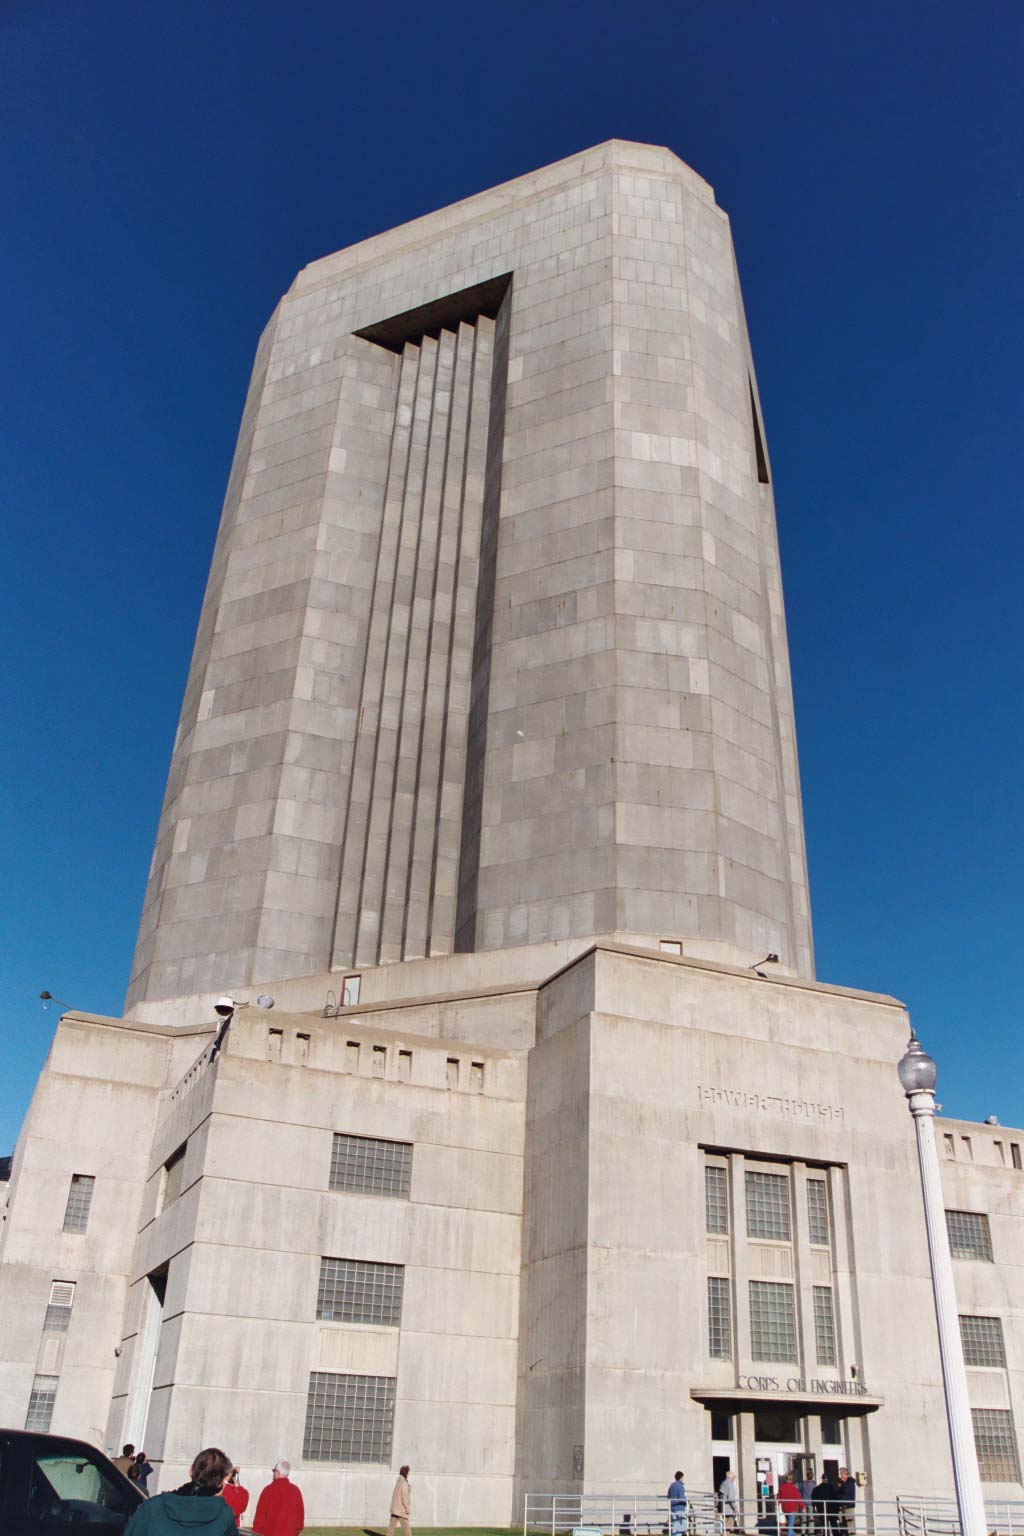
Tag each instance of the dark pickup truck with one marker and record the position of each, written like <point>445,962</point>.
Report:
<point>49,1484</point>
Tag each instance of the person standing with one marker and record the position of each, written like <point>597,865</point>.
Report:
<point>279,1509</point>
<point>677,1504</point>
<point>729,1496</point>
<point>847,1502</point>
<point>822,1504</point>
<point>195,1506</point>
<point>140,1471</point>
<point>235,1496</point>
<point>790,1501</point>
<point>401,1504</point>
<point>123,1463</point>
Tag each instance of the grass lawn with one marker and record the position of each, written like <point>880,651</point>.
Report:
<point>435,1530</point>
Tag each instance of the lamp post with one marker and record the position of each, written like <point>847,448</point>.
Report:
<point>918,1074</point>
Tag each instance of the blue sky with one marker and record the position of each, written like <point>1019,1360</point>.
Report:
<point>167,169</point>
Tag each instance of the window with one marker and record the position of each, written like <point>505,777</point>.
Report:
<point>817,1211</point>
<point>779,1428</point>
<point>76,1212</point>
<point>950,1145</point>
<point>367,1165</point>
<point>349,1418</point>
<point>671,947</point>
<point>352,1056</point>
<point>716,1199</point>
<point>476,1077</point>
<point>379,1060</point>
<point>996,1445</point>
<point>174,1170</point>
<point>772,1321</point>
<point>350,991</point>
<point>969,1235</point>
<point>824,1325</point>
<point>58,1311</point>
<point>721,1425</point>
<point>40,1403</point>
<point>452,1072</point>
<point>1000,1152</point>
<point>352,1291</point>
<point>768,1206</point>
<point>70,1488</point>
<point>405,1066</point>
<point>719,1319</point>
<point>831,1429</point>
<point>1015,1153</point>
<point>968,1152</point>
<point>983,1340</point>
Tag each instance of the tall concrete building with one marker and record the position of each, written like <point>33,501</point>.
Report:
<point>539,1175</point>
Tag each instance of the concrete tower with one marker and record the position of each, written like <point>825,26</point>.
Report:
<point>493,648</point>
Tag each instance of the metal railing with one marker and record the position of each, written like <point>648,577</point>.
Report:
<point>639,1514</point>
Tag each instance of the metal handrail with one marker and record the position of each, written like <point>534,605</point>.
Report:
<point>623,1514</point>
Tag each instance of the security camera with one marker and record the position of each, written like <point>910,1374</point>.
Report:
<point>224,1007</point>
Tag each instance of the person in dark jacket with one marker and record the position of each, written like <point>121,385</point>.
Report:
<point>140,1471</point>
<point>823,1505</point>
<point>195,1509</point>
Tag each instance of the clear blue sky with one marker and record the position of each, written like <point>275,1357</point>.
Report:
<point>167,169</point>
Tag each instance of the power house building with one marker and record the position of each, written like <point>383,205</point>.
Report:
<point>552,1167</point>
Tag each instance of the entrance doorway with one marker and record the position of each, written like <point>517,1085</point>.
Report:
<point>779,1449</point>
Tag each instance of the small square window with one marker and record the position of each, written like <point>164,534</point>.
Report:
<point>40,1403</point>
<point>354,1291</point>
<point>349,1418</point>
<point>369,1165</point>
<point>996,1444</point>
<point>969,1235</point>
<point>768,1206</point>
<point>58,1310</point>
<point>772,1321</point>
<point>983,1341</point>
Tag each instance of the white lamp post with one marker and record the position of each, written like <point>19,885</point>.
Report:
<point>918,1073</point>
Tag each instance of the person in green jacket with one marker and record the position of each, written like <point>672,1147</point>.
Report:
<point>195,1509</point>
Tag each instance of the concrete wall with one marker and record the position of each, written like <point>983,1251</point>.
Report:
<point>495,609</point>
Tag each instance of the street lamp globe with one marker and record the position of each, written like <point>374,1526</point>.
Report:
<point>917,1070</point>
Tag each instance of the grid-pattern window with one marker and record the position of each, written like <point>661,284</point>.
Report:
<point>174,1173</point>
<point>368,1165</point>
<point>716,1199</point>
<point>352,1291</point>
<point>996,1445</point>
<point>817,1211</point>
<point>969,1235</point>
<point>824,1325</point>
<point>40,1403</point>
<point>983,1340</point>
<point>58,1311</point>
<point>719,1319</point>
<point>768,1206</point>
<point>772,1321</point>
<point>349,1418</point>
<point>76,1212</point>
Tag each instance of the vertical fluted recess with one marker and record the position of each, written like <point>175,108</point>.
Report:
<point>372,700</point>
<point>401,845</point>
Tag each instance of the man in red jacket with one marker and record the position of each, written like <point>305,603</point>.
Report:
<point>235,1495</point>
<point>280,1510</point>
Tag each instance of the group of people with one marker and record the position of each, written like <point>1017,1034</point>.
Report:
<point>213,1500</point>
<point>135,1466</point>
<point>823,1509</point>
<point>826,1507</point>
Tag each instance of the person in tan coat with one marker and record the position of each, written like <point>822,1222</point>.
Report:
<point>401,1504</point>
